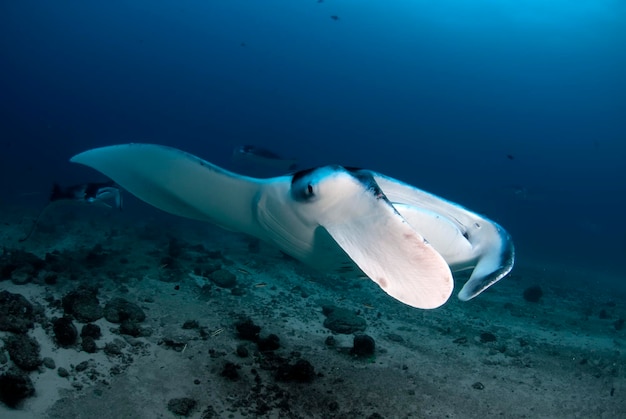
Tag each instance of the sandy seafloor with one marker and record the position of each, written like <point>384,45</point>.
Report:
<point>558,358</point>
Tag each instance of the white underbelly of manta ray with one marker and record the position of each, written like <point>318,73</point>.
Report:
<point>406,240</point>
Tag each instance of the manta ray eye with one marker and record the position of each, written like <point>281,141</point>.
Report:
<point>309,189</point>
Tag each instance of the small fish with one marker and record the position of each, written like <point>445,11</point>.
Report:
<point>262,158</point>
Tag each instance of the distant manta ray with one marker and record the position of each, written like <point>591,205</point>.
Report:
<point>333,218</point>
<point>83,193</point>
<point>262,158</point>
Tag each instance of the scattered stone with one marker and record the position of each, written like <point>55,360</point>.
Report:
<point>363,346</point>
<point>65,332</point>
<point>118,310</point>
<point>83,304</point>
<point>619,324</point>
<point>230,371</point>
<point>242,351</point>
<point>16,313</point>
<point>15,387</point>
<point>183,406</point>
<point>478,385</point>
<point>24,352</point>
<point>20,261</point>
<point>63,373</point>
<point>223,278</point>
<point>89,345</point>
<point>114,348</point>
<point>270,343</point>
<point>533,294</point>
<point>91,330</point>
<point>341,320</point>
<point>177,343</point>
<point>603,315</point>
<point>130,328</point>
<point>49,363</point>
<point>395,337</point>
<point>238,291</point>
<point>247,330</point>
<point>21,276</point>
<point>209,413</point>
<point>191,324</point>
<point>460,341</point>
<point>82,366</point>
<point>487,337</point>
<point>302,371</point>
<point>330,341</point>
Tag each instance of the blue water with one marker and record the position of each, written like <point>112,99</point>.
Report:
<point>515,109</point>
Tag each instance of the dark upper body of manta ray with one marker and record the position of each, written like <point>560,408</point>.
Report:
<point>332,218</point>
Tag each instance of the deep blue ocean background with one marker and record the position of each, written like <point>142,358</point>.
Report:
<point>515,109</point>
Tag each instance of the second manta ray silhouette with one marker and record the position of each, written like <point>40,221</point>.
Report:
<point>89,193</point>
<point>332,218</point>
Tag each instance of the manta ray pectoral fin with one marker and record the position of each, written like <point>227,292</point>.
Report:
<point>391,253</point>
<point>497,255</point>
<point>179,183</point>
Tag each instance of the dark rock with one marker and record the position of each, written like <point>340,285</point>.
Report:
<point>96,257</point>
<point>487,337</point>
<point>191,324</point>
<point>24,351</point>
<point>242,351</point>
<point>89,345</point>
<point>330,341</point>
<point>91,330</point>
<point>603,314</point>
<point>130,328</point>
<point>247,330</point>
<point>65,332</point>
<point>49,363</point>
<point>16,313</point>
<point>533,294</point>
<point>302,371</point>
<point>15,387</point>
<point>118,310</point>
<point>619,324</point>
<point>21,276</point>
<point>19,260</point>
<point>114,348</point>
<point>83,304</point>
<point>363,346</point>
<point>223,278</point>
<point>230,371</point>
<point>182,407</point>
<point>51,279</point>
<point>82,366</point>
<point>209,413</point>
<point>478,385</point>
<point>63,372</point>
<point>270,343</point>
<point>341,320</point>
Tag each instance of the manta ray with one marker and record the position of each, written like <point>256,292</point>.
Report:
<point>333,218</point>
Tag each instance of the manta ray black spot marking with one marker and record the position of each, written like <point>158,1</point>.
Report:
<point>367,180</point>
